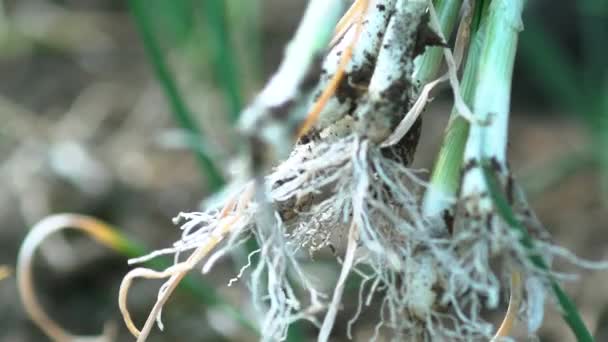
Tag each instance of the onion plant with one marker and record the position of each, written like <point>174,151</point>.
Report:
<point>330,140</point>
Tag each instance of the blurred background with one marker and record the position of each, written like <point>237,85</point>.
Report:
<point>102,103</point>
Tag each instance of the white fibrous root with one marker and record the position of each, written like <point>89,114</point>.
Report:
<point>342,188</point>
<point>430,279</point>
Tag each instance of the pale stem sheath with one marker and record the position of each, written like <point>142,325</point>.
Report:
<point>488,140</point>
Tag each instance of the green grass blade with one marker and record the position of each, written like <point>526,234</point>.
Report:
<point>223,54</point>
<point>174,21</point>
<point>569,310</point>
<point>179,108</point>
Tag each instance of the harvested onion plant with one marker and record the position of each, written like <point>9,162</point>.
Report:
<point>331,138</point>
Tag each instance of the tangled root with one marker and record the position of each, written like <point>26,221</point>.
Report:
<point>434,283</point>
<point>433,279</point>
